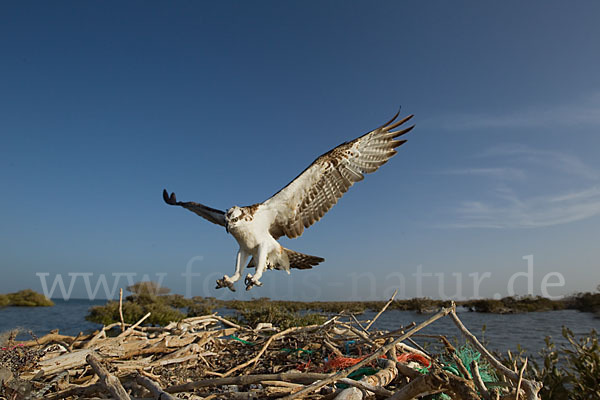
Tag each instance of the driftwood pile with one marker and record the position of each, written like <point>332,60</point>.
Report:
<point>210,357</point>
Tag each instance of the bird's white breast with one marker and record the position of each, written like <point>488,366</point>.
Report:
<point>253,232</point>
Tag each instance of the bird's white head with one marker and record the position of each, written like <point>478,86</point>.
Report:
<point>232,216</point>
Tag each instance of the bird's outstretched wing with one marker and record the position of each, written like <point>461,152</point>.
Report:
<point>211,214</point>
<point>318,188</point>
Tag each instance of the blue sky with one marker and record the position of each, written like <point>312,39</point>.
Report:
<point>104,104</point>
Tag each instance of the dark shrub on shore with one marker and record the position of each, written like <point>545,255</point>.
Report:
<point>514,305</point>
<point>25,298</point>
<point>532,303</point>
<point>354,307</point>
<point>147,297</point>
<point>588,302</point>
<point>133,311</point>
<point>197,306</point>
<point>148,287</point>
<point>277,316</point>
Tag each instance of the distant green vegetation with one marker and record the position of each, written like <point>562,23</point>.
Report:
<point>293,306</point>
<point>146,297</point>
<point>515,305</point>
<point>269,312</point>
<point>25,298</point>
<point>587,302</point>
<point>149,297</point>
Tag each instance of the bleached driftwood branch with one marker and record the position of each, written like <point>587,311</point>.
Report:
<point>111,383</point>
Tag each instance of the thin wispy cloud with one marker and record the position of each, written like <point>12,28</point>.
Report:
<point>533,212</point>
<point>549,160</point>
<point>504,173</point>
<point>502,205</point>
<point>584,112</point>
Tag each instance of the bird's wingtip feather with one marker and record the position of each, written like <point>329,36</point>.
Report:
<point>172,200</point>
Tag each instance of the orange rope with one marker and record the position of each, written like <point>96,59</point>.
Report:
<point>345,362</point>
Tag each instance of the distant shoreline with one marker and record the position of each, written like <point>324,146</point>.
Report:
<point>585,302</point>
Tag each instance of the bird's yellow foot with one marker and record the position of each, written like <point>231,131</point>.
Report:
<point>224,282</point>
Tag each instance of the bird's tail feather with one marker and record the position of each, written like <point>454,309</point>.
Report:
<point>297,260</point>
<point>302,261</point>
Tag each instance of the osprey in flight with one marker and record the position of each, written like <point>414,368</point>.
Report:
<point>298,205</point>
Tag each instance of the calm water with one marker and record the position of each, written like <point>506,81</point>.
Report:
<point>502,331</point>
<point>67,316</point>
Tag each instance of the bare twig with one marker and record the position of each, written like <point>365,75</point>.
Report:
<point>461,367</point>
<point>478,381</point>
<point>520,379</point>
<point>49,338</point>
<point>227,322</point>
<point>129,330</point>
<point>74,391</point>
<point>378,390</point>
<point>70,348</point>
<point>111,383</point>
<point>332,347</point>
<point>121,309</point>
<point>298,377</point>
<point>153,388</point>
<point>360,334</point>
<point>358,323</point>
<point>382,310</point>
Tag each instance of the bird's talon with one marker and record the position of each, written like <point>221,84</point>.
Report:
<point>224,282</point>
<point>250,283</point>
